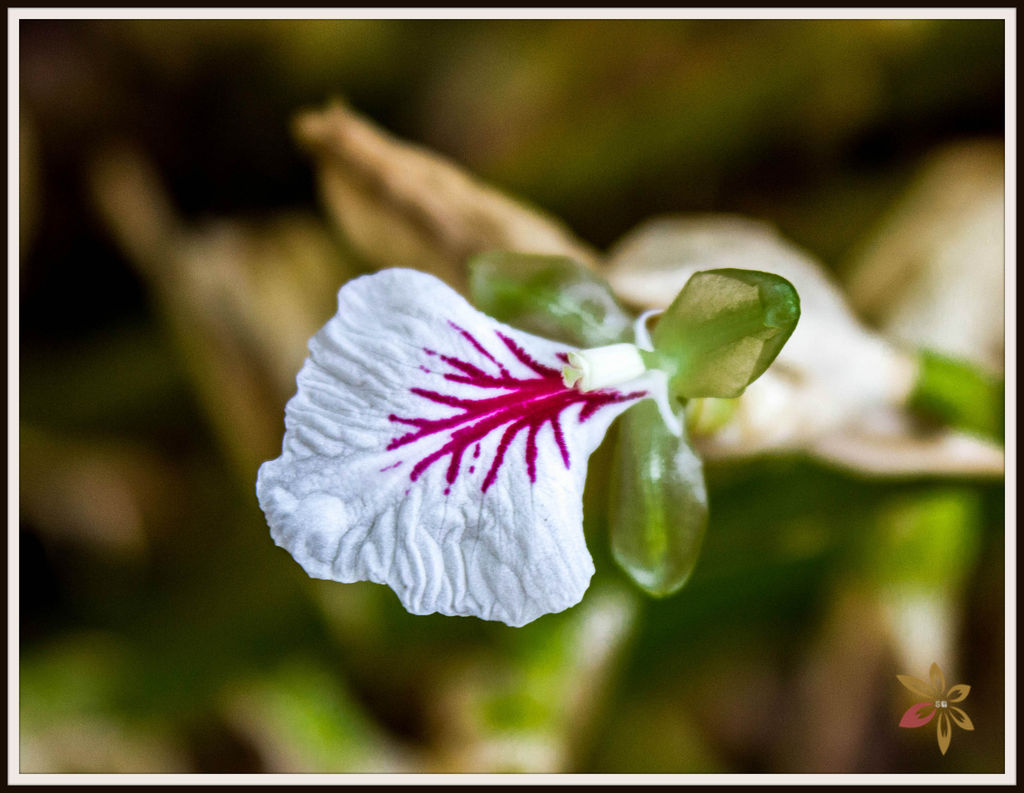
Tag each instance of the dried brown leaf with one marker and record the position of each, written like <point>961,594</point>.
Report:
<point>402,206</point>
<point>239,300</point>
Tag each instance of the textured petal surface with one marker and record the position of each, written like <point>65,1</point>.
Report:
<point>437,451</point>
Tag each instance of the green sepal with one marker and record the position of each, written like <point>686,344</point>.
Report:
<point>659,508</point>
<point>956,393</point>
<point>723,330</point>
<point>551,296</point>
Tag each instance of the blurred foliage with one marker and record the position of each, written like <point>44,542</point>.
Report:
<point>176,255</point>
<point>960,396</point>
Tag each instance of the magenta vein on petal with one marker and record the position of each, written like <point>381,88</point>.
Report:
<point>520,404</point>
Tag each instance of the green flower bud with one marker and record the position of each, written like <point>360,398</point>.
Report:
<point>722,331</point>
<point>551,296</point>
<point>658,509</point>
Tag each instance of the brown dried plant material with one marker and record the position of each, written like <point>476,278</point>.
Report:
<point>931,273</point>
<point>844,666</point>
<point>238,300</point>
<point>837,390</point>
<point>892,444</point>
<point>402,206</point>
<point>110,495</point>
<point>100,744</point>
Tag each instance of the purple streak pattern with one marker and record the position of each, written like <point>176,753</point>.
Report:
<point>521,404</point>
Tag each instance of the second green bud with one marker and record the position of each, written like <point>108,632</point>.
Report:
<point>722,331</point>
<point>658,507</point>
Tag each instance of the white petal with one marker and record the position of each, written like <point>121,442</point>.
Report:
<point>393,469</point>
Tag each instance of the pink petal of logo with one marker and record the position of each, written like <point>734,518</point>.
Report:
<point>918,715</point>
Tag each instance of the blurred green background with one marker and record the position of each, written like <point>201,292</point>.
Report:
<point>161,630</point>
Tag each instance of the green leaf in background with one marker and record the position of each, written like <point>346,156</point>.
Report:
<point>551,296</point>
<point>927,540</point>
<point>958,394</point>
<point>301,714</point>
<point>658,506</point>
<point>723,330</point>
